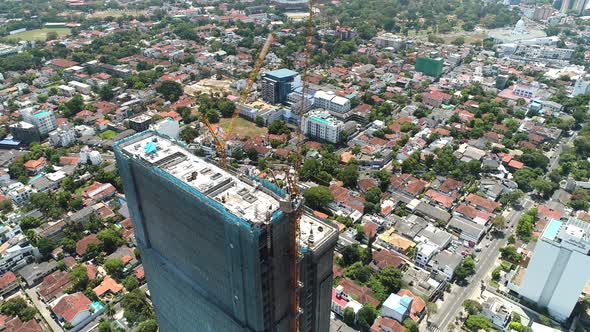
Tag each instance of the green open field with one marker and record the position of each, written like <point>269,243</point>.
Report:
<point>107,134</point>
<point>39,34</point>
<point>243,127</point>
<point>117,13</point>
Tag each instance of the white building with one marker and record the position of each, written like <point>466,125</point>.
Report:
<point>388,39</point>
<point>80,87</point>
<point>331,102</point>
<point>424,252</point>
<point>559,267</point>
<point>341,301</point>
<point>19,193</point>
<point>528,91</point>
<point>44,120</point>
<point>397,307</point>
<point>498,312</point>
<point>65,90</point>
<point>89,156</point>
<point>17,255</point>
<point>582,85</point>
<point>168,127</point>
<point>320,125</point>
<point>62,136</point>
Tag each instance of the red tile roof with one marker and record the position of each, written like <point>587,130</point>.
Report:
<point>70,305</point>
<point>139,272</point>
<point>450,184</point>
<point>54,284</point>
<point>481,202</point>
<point>548,212</point>
<point>444,200</point>
<point>108,285</point>
<point>386,324</point>
<point>82,245</point>
<point>32,165</point>
<point>384,258</point>
<point>471,212</point>
<point>16,325</point>
<point>363,293</point>
<point>515,164</point>
<point>6,279</point>
<point>63,63</point>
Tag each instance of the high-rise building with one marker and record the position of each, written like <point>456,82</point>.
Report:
<point>576,6</point>
<point>559,268</point>
<point>277,84</point>
<point>320,125</point>
<point>214,244</point>
<point>42,119</point>
<point>430,66</point>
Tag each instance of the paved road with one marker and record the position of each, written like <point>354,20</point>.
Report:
<point>43,311</point>
<point>454,300</point>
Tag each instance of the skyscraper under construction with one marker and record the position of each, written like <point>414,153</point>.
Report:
<point>215,244</point>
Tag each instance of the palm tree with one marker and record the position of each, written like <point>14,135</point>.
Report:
<point>110,310</point>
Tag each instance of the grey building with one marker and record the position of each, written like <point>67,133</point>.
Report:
<point>277,84</point>
<point>214,244</point>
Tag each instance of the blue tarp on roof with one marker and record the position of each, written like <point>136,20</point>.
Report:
<point>150,148</point>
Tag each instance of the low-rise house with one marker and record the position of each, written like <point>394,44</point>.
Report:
<point>393,241</point>
<point>384,258</point>
<point>362,293</point>
<point>397,307</point>
<point>482,203</point>
<point>83,244</point>
<point>35,166</point>
<point>445,263</point>
<point>466,229</point>
<point>108,287</point>
<point>386,324</point>
<point>421,283</point>
<point>35,272</point>
<point>341,301</point>
<point>54,285</point>
<point>497,311</point>
<point>99,191</point>
<point>8,283</point>
<point>73,308</point>
<point>418,306</point>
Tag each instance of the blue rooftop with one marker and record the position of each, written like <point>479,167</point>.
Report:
<point>282,73</point>
<point>552,229</point>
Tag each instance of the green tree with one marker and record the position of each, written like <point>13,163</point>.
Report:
<point>359,272</point>
<point>111,239</point>
<point>68,245</point>
<point>373,195</point>
<point>352,254</point>
<point>106,93</point>
<point>278,128</point>
<point>411,325</point>
<point>137,308</point>
<point>51,35</point>
<point>130,283</point>
<point>318,197</point>
<point>73,106</point>
<point>465,269</point>
<point>391,278</point>
<point>17,306</point>
<point>348,316</point>
<point>473,307</point>
<point>511,254</point>
<point>512,197</point>
<point>114,267</point>
<point>349,175</point>
<point>29,222</point>
<point>78,278</point>
<point>149,325</point>
<point>260,121</point>
<point>477,322</point>
<point>170,90</point>
<point>188,134</point>
<point>366,316</point>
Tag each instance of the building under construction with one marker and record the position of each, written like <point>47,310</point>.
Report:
<point>215,245</point>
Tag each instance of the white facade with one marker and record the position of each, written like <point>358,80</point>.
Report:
<point>168,127</point>
<point>65,90</point>
<point>19,193</point>
<point>43,120</point>
<point>80,87</point>
<point>89,156</point>
<point>331,102</point>
<point>559,268</point>
<point>497,312</point>
<point>389,40</point>
<point>318,124</point>
<point>582,85</point>
<point>424,252</point>
<point>62,136</point>
<point>525,91</point>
